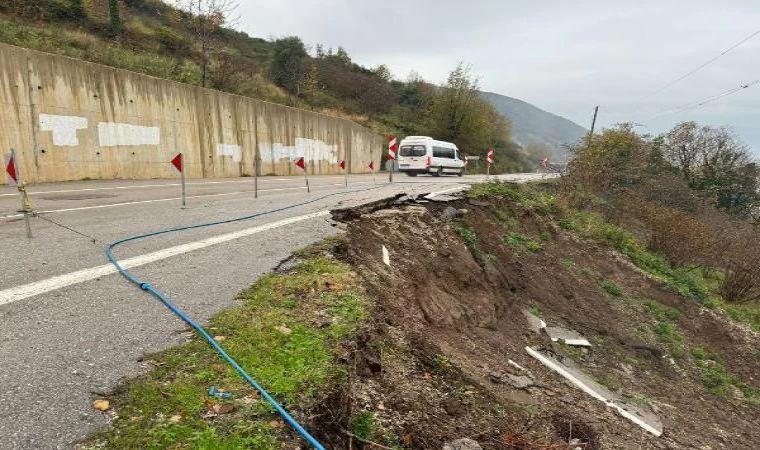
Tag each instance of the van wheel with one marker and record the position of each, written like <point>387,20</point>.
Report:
<point>461,172</point>
<point>439,172</point>
<point>411,174</point>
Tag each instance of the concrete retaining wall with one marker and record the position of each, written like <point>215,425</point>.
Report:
<point>68,119</point>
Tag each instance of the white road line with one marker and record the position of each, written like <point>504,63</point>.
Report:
<point>111,205</point>
<point>17,293</point>
<point>144,186</point>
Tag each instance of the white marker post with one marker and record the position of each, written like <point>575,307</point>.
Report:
<point>342,165</point>
<point>391,155</point>
<point>14,180</point>
<point>489,161</point>
<point>179,163</point>
<point>302,164</point>
<point>255,176</point>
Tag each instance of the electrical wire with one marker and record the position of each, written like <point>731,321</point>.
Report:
<point>702,66</point>
<point>703,101</point>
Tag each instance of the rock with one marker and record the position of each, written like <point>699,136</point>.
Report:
<point>283,329</point>
<point>463,211</point>
<point>569,399</point>
<point>462,444</point>
<point>495,377</point>
<point>519,381</point>
<point>449,214</point>
<point>476,202</point>
<point>453,407</point>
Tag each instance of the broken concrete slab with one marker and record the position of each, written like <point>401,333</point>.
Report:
<point>462,444</point>
<point>386,257</point>
<point>535,323</point>
<point>569,337</point>
<point>640,416</point>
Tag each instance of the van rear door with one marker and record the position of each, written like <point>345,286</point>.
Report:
<point>412,157</point>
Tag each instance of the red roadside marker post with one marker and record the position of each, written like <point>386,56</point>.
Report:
<point>372,168</point>
<point>302,164</point>
<point>489,161</point>
<point>391,155</point>
<point>179,163</point>
<point>14,180</point>
<point>342,165</point>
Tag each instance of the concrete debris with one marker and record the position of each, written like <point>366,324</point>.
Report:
<point>449,214</point>
<point>386,257</point>
<point>534,322</point>
<point>519,381</point>
<point>462,444</point>
<point>514,364</point>
<point>640,416</point>
<point>569,337</point>
<point>443,197</point>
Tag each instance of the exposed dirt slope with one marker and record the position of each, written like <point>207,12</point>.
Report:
<point>445,329</point>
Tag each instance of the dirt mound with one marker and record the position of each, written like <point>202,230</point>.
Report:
<point>450,335</point>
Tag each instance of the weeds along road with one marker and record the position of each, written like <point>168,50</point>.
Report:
<point>72,327</point>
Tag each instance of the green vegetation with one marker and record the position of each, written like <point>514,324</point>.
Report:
<point>272,336</point>
<point>363,426</point>
<point>636,399</point>
<point>522,242</point>
<point>529,197</point>
<point>665,329</point>
<point>611,287</point>
<point>536,311</point>
<point>567,264</point>
<point>720,381</point>
<point>570,351</point>
<point>472,242</point>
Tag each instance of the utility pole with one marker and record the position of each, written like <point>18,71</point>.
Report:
<point>593,124</point>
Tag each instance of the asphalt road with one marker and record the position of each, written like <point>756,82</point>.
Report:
<point>71,328</point>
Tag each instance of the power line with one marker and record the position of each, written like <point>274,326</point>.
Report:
<point>703,65</point>
<point>704,101</point>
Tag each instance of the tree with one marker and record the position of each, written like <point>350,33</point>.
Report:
<point>320,51</point>
<point>458,114</point>
<point>290,65</point>
<point>715,162</point>
<point>204,18</point>
<point>342,56</point>
<point>114,25</point>
<point>76,10</point>
<point>383,72</point>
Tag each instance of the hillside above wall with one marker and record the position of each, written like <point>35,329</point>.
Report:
<point>534,126</point>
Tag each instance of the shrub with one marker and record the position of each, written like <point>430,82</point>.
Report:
<point>612,288</point>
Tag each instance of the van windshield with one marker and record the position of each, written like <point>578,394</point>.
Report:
<point>412,150</point>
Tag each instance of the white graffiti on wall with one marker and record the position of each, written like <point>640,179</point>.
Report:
<point>111,134</point>
<point>311,150</point>
<point>64,128</point>
<point>231,150</point>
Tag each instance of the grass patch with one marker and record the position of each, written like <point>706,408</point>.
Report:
<point>636,399</point>
<point>720,381</point>
<point>471,240</point>
<point>522,242</point>
<point>272,336</point>
<point>567,264</point>
<point>529,197</point>
<point>570,351</point>
<point>363,426</point>
<point>612,288</point>
<point>661,312</point>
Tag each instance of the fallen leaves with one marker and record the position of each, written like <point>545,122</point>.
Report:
<point>101,405</point>
<point>217,410</point>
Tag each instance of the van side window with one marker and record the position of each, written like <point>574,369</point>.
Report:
<point>412,150</point>
<point>441,152</point>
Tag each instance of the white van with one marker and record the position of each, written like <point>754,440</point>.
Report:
<point>423,154</point>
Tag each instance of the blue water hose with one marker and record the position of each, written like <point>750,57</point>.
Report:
<point>165,300</point>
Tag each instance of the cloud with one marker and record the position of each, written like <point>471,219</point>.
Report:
<point>565,57</point>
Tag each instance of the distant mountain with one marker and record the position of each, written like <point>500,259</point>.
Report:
<point>534,126</point>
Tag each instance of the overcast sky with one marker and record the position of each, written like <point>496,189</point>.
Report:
<point>562,56</point>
